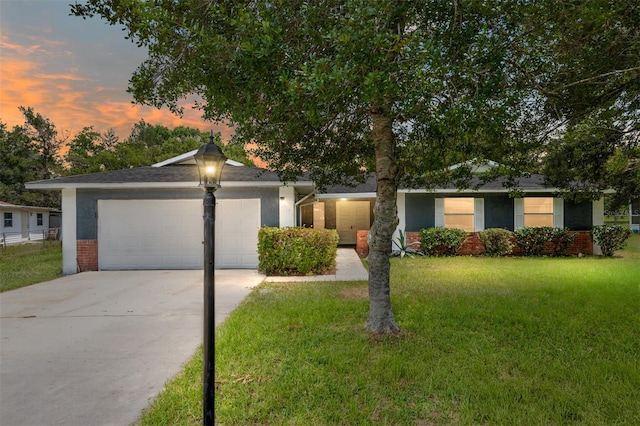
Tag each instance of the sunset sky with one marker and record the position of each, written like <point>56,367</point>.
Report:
<point>73,71</point>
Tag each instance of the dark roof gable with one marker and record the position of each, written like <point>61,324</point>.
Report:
<point>165,174</point>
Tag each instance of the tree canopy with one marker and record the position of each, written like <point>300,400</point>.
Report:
<point>340,89</point>
<point>33,152</point>
<point>588,72</point>
<point>147,144</point>
<point>29,152</point>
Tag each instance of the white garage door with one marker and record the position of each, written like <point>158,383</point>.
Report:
<point>168,234</point>
<point>237,226</point>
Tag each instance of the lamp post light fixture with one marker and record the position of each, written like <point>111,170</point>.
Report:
<point>210,161</point>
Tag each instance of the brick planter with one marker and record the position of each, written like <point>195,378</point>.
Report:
<point>87,255</point>
<point>473,246</point>
<point>362,243</point>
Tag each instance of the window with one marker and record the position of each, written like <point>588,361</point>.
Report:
<point>538,211</point>
<point>39,219</point>
<point>459,213</point>
<point>8,220</point>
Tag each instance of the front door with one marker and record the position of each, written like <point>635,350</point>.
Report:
<point>318,215</point>
<point>351,216</point>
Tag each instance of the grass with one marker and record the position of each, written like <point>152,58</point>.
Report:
<point>486,341</point>
<point>632,248</point>
<point>23,265</point>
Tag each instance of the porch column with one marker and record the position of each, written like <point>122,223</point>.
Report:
<point>287,206</point>
<point>402,219</point>
<point>597,219</point>
<point>69,249</point>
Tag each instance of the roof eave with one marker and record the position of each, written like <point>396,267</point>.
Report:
<point>187,158</point>
<point>157,185</point>
<point>346,195</point>
<point>28,208</point>
<point>476,191</point>
<point>445,191</point>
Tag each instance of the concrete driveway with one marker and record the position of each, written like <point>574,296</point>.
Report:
<point>95,348</point>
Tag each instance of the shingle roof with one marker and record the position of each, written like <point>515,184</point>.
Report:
<point>187,175</point>
<point>166,174</point>
<point>533,182</point>
<point>369,186</point>
<point>9,206</point>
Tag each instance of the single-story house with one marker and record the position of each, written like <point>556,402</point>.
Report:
<point>151,217</point>
<point>19,224</point>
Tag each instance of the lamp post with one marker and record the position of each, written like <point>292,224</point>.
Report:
<point>210,161</point>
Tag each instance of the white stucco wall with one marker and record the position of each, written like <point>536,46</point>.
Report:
<point>287,205</point>
<point>597,219</point>
<point>69,249</point>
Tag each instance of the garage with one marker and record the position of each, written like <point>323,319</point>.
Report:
<point>168,234</point>
<point>150,217</point>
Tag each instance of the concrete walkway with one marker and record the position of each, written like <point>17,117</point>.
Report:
<point>95,348</point>
<point>349,267</point>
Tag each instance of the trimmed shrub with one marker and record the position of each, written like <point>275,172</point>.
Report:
<point>535,240</point>
<point>497,241</point>
<point>610,238</point>
<point>532,239</point>
<point>296,251</point>
<point>442,241</point>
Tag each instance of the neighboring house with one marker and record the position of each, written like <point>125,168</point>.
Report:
<point>20,224</point>
<point>151,217</point>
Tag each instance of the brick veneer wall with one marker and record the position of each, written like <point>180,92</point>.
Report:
<point>362,243</point>
<point>473,245</point>
<point>582,244</point>
<point>87,255</point>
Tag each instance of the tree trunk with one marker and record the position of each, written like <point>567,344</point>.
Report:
<point>380,318</point>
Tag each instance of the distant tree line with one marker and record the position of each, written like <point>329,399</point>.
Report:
<point>36,150</point>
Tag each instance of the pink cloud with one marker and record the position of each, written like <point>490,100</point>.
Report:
<point>72,77</point>
<point>72,105</point>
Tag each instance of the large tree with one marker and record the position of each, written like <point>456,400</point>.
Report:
<point>340,89</point>
<point>586,65</point>
<point>85,153</point>
<point>29,152</point>
<point>17,160</point>
<point>45,138</point>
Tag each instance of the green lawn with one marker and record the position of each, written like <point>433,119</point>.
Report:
<point>27,264</point>
<point>486,341</point>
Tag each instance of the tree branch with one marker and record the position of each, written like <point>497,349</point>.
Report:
<point>607,74</point>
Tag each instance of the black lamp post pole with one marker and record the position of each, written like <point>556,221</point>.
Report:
<point>209,307</point>
<point>210,161</point>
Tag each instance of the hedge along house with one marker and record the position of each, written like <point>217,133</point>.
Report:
<point>488,206</point>
<point>151,217</point>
